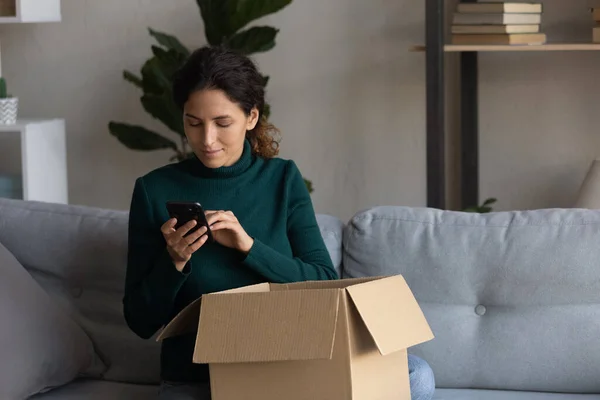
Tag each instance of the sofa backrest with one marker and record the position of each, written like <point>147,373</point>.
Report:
<point>332,231</point>
<point>512,297</point>
<point>78,255</point>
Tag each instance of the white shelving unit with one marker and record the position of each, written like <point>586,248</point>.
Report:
<point>34,11</point>
<point>36,151</point>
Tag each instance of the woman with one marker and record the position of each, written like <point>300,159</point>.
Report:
<point>260,212</point>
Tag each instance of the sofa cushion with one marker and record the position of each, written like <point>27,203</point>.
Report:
<point>512,297</point>
<point>80,259</point>
<point>41,347</point>
<point>101,390</point>
<point>465,394</point>
<point>331,230</point>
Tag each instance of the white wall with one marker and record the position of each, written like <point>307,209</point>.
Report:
<point>346,93</point>
<point>539,115</point>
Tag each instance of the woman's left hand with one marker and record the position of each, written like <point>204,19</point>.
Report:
<point>228,232</point>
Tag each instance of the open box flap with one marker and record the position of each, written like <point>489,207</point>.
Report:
<point>261,327</point>
<point>184,322</point>
<point>257,288</point>
<point>317,285</point>
<point>390,313</point>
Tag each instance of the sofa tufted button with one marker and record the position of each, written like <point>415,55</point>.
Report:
<point>480,310</point>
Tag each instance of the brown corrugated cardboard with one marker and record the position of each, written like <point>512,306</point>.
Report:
<point>252,324</point>
<point>330,340</point>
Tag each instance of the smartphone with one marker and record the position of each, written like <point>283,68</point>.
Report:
<point>185,211</point>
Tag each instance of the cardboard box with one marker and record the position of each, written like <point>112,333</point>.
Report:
<point>326,340</point>
<point>596,34</point>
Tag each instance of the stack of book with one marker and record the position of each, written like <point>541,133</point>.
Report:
<point>596,29</point>
<point>497,23</point>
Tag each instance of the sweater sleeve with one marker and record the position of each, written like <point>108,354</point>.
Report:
<point>310,260</point>
<point>151,280</point>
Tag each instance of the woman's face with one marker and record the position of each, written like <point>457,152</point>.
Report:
<point>216,127</point>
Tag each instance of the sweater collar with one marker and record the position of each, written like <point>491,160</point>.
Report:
<point>239,167</point>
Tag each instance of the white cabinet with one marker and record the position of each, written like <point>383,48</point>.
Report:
<point>33,154</point>
<point>35,151</point>
<point>31,11</point>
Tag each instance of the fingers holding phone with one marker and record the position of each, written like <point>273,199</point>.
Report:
<point>227,230</point>
<point>184,241</point>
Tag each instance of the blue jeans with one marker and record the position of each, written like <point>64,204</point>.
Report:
<point>422,380</point>
<point>183,391</point>
<point>422,385</point>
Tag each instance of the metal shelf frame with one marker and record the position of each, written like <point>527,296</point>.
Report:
<point>435,115</point>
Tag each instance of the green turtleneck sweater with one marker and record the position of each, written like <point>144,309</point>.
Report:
<point>271,202</point>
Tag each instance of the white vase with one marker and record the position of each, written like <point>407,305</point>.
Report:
<point>589,192</point>
<point>9,110</point>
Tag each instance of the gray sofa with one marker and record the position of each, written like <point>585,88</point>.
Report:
<point>512,297</point>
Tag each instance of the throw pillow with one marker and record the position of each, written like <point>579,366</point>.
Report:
<point>41,347</point>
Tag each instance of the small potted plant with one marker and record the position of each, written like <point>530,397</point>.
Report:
<point>8,105</point>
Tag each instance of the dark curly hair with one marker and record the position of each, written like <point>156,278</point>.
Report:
<point>216,67</point>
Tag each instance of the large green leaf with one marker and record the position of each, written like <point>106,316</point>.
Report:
<point>309,185</point>
<point>131,77</point>
<point>254,40</point>
<point>168,61</point>
<point>139,138</point>
<point>246,11</point>
<point>267,111</point>
<point>216,15</point>
<point>154,79</point>
<point>169,41</point>
<point>265,80</point>
<point>223,18</point>
<point>165,110</point>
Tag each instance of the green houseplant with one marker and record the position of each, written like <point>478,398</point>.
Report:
<point>9,105</point>
<point>484,208</point>
<point>225,23</point>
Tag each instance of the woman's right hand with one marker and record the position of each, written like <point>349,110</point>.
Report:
<point>179,246</point>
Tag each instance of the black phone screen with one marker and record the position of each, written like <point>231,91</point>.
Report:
<point>187,211</point>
